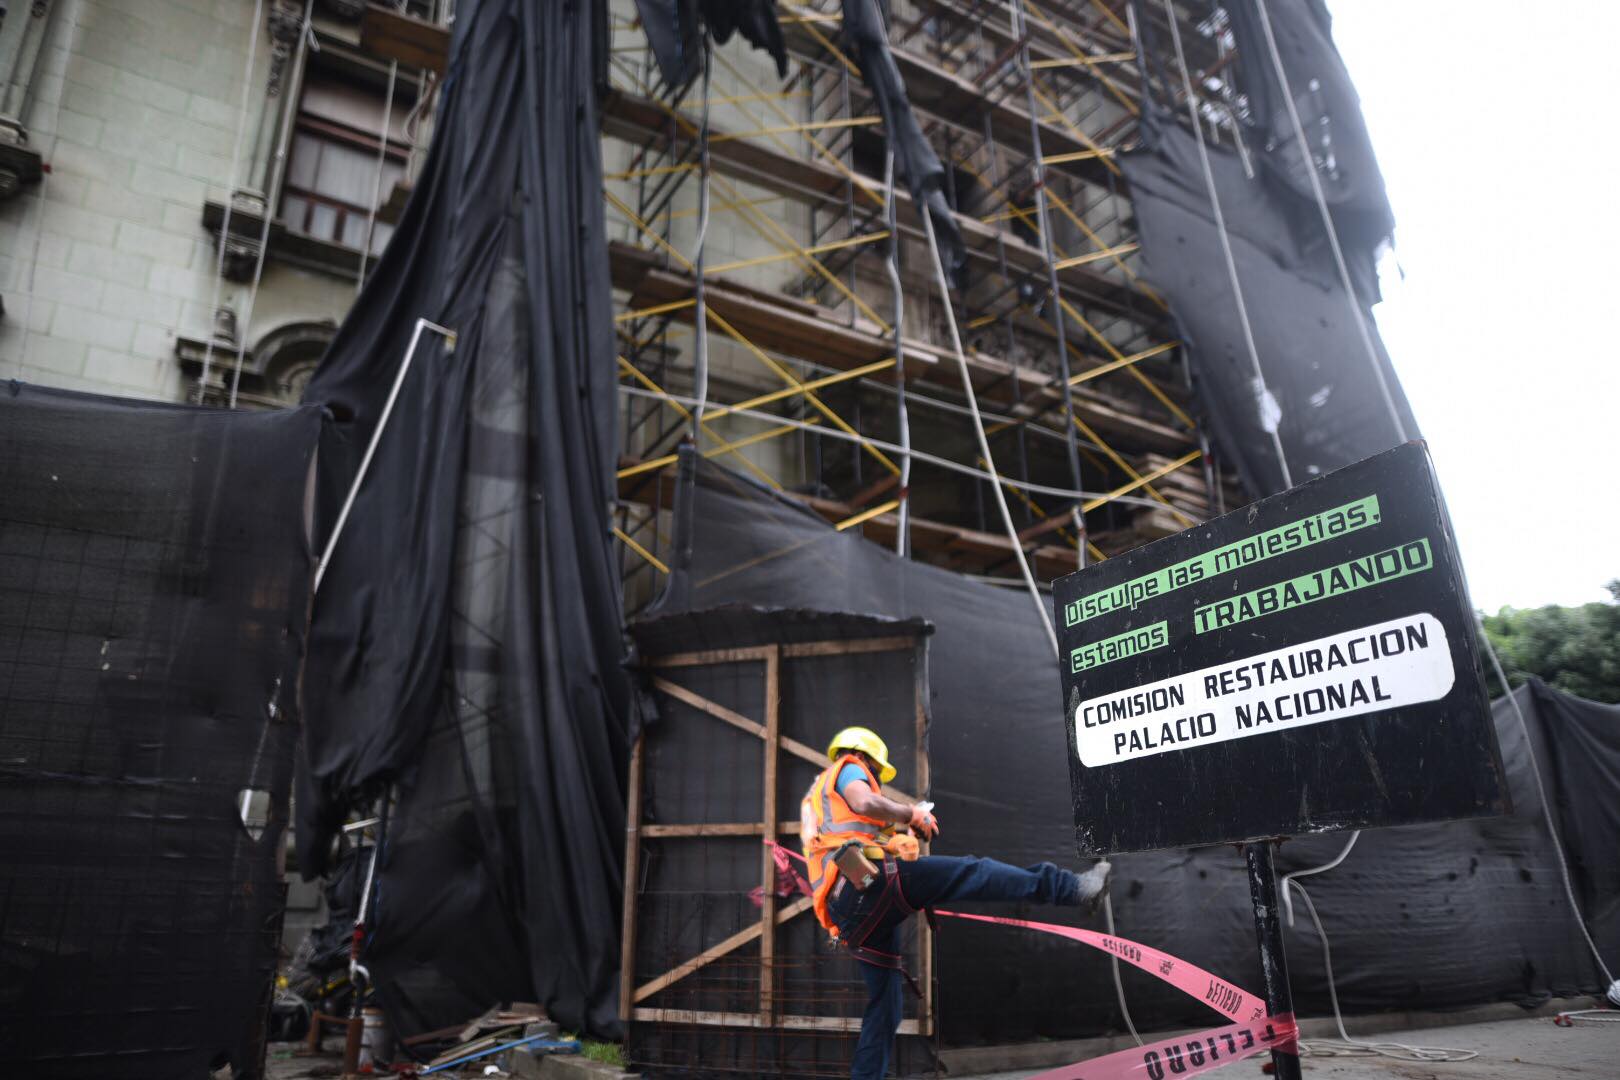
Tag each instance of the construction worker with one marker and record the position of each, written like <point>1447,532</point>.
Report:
<point>867,878</point>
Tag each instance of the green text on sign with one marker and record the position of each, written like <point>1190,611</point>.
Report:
<point>1130,643</point>
<point>1347,577</point>
<point>1338,521</point>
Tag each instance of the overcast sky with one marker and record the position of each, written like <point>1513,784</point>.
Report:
<point>1496,127</point>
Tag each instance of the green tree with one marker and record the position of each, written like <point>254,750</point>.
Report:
<point>1576,649</point>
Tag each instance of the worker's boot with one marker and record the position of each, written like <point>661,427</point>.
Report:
<point>1093,885</point>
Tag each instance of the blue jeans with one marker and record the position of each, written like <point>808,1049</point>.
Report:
<point>925,883</point>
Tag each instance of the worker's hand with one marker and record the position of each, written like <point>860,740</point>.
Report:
<point>923,823</point>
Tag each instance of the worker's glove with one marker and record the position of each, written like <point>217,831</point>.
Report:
<point>923,823</point>
<point>904,847</point>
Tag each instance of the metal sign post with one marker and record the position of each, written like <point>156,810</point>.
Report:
<point>1273,959</point>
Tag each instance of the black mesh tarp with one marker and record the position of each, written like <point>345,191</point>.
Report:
<point>866,32</point>
<point>154,584</point>
<point>466,642</point>
<point>1424,917</point>
<point>1332,411</point>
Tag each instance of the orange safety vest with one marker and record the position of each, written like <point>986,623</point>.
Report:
<point>826,823</point>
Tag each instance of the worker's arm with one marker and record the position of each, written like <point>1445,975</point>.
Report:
<point>868,803</point>
<point>872,804</point>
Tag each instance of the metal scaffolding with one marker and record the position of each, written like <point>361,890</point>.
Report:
<point>839,362</point>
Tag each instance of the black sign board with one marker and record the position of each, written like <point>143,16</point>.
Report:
<point>1304,664</point>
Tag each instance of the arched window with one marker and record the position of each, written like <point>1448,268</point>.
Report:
<point>275,369</point>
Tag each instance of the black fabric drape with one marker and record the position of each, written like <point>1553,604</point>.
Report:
<point>675,31</point>
<point>154,594</point>
<point>1421,917</point>
<point>467,638</point>
<point>866,31</point>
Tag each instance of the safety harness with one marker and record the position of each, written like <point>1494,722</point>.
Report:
<point>827,823</point>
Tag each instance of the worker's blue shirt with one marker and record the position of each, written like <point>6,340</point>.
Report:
<point>848,774</point>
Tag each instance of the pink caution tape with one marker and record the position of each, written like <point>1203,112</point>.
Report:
<point>1186,1055</point>
<point>1217,993</point>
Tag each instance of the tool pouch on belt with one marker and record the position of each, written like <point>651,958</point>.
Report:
<point>856,868</point>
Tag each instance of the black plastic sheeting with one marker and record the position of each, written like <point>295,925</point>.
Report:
<point>466,645</point>
<point>866,31</point>
<point>1322,381</point>
<point>675,31</point>
<point>1330,112</point>
<point>154,584</point>
<point>1420,917</point>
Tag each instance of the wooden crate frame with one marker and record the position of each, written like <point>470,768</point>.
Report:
<point>772,913</point>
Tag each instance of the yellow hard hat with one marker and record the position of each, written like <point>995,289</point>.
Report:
<point>867,742</point>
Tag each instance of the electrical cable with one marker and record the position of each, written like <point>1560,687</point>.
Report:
<point>700,320</point>
<point>230,196</point>
<point>984,442</point>
<point>1270,423</point>
<point>1345,1046</point>
<point>1287,897</point>
<point>1309,162</point>
<point>1119,986</point>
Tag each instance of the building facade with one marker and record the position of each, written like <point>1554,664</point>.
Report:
<point>134,134</point>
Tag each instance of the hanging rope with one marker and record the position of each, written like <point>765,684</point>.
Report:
<point>306,43</point>
<point>902,534</point>
<point>376,183</point>
<point>984,442</point>
<point>230,200</point>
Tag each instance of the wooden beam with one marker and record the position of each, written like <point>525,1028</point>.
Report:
<point>1046,525</point>
<point>874,491</point>
<point>848,648</point>
<point>705,657</point>
<point>925,780</point>
<point>740,828</point>
<point>413,42</point>
<point>632,877</point>
<point>742,723</point>
<point>767,907</point>
<point>714,709</point>
<point>715,952</point>
<point>787,331</point>
<point>849,1024</point>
